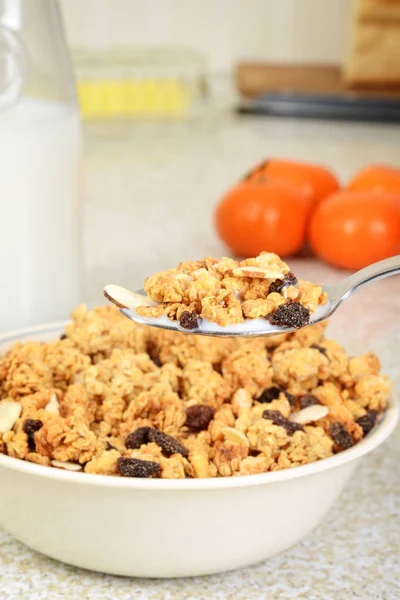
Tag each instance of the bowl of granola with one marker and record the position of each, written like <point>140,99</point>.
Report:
<point>136,451</point>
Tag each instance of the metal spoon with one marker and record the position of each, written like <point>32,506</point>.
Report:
<point>127,300</point>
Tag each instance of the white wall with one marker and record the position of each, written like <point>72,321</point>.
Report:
<point>224,30</point>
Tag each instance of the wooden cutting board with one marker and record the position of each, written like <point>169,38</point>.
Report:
<point>254,79</point>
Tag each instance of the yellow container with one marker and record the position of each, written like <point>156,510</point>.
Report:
<point>133,83</point>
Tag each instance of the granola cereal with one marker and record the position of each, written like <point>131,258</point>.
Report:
<point>227,292</point>
<point>119,399</point>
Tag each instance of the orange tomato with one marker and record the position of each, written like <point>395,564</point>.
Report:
<point>255,216</point>
<point>378,178</point>
<point>354,229</point>
<point>314,181</point>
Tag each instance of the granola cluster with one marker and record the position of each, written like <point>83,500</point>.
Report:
<point>227,292</point>
<point>114,398</point>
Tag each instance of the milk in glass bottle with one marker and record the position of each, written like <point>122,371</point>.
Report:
<point>40,167</point>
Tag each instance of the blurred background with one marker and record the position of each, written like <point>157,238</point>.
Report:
<point>223,31</point>
<point>177,100</point>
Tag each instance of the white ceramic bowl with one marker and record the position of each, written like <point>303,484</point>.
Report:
<point>169,528</point>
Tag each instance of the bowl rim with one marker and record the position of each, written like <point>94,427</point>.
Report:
<point>376,437</point>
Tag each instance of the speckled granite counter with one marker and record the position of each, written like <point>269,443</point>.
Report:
<point>150,189</point>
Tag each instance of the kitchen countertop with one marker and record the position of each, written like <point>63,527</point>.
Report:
<point>150,189</point>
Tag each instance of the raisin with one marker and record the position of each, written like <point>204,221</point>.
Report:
<point>29,427</point>
<point>198,417</point>
<point>308,400</point>
<point>290,398</point>
<point>292,314</point>
<point>291,428</point>
<point>167,443</point>
<point>320,349</point>
<point>63,336</point>
<point>189,320</point>
<point>341,436</point>
<point>138,437</point>
<point>134,467</point>
<point>275,416</point>
<point>269,394</point>
<point>278,419</point>
<point>367,421</point>
<point>156,361</point>
<point>278,285</point>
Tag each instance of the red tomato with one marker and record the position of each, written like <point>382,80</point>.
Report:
<point>256,216</point>
<point>354,229</point>
<point>316,182</point>
<point>378,178</point>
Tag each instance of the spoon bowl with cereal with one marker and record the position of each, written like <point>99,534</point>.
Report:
<point>255,297</point>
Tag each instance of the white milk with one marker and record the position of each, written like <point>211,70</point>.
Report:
<point>40,160</point>
<point>251,327</point>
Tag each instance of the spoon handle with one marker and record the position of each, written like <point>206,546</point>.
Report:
<point>379,270</point>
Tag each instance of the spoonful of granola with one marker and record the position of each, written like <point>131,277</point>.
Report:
<point>255,297</point>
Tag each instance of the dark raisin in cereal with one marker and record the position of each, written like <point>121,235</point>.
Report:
<point>291,428</point>
<point>308,400</point>
<point>167,443</point>
<point>278,419</point>
<point>278,285</point>
<point>63,336</point>
<point>292,314</point>
<point>367,421</point>
<point>29,427</point>
<point>290,398</point>
<point>198,417</point>
<point>275,416</point>
<point>134,467</point>
<point>341,436</point>
<point>269,394</point>
<point>138,437</point>
<point>156,361</point>
<point>189,320</point>
<point>320,349</point>
<point>290,279</point>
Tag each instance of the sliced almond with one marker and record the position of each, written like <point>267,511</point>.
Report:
<point>234,435</point>
<point>53,406</point>
<point>9,414</point>
<point>124,298</point>
<point>67,466</point>
<point>257,272</point>
<point>309,414</point>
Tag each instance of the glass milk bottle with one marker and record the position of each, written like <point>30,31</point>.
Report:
<point>40,167</point>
